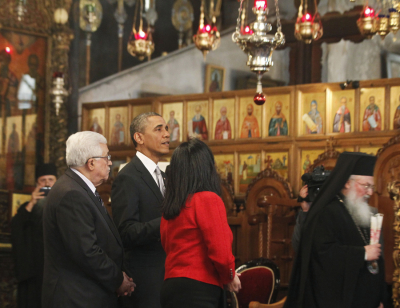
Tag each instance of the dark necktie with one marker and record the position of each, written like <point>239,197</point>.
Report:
<point>160,181</point>
<point>100,200</point>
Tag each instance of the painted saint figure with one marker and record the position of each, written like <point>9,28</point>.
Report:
<point>223,127</point>
<point>372,117</point>
<point>250,127</point>
<point>396,121</point>
<point>173,127</point>
<point>118,131</point>
<point>96,126</point>
<point>313,119</point>
<point>13,140</point>
<point>8,84</point>
<point>199,125</point>
<point>278,124</point>
<point>342,121</point>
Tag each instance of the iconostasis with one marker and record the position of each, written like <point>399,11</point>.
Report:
<point>286,134</point>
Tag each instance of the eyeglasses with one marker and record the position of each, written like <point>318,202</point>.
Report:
<point>366,186</point>
<point>108,157</point>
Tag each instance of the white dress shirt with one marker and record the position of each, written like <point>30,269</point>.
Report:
<point>149,164</point>
<point>86,180</point>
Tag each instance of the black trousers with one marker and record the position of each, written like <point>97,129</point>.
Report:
<point>30,292</point>
<point>190,293</point>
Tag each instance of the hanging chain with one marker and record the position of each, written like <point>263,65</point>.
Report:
<point>238,19</point>
<point>278,18</point>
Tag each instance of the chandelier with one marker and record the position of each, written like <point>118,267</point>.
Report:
<point>257,44</point>
<point>207,37</point>
<point>308,28</point>
<point>140,43</point>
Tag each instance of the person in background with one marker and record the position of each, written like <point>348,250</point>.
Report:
<point>301,217</point>
<point>195,233</point>
<point>27,240</point>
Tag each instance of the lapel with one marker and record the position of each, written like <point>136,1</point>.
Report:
<point>96,201</point>
<point>148,178</point>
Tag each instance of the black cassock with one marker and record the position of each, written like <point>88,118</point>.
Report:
<point>27,250</point>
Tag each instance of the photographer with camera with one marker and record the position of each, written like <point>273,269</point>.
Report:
<point>27,239</point>
<point>313,182</point>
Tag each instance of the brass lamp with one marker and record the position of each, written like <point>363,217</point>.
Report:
<point>394,20</point>
<point>382,25</point>
<point>58,92</point>
<point>207,37</point>
<point>140,43</point>
<point>366,22</point>
<point>308,28</point>
<point>257,43</point>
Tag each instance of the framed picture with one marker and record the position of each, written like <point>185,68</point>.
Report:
<point>249,167</point>
<point>312,113</point>
<point>173,115</point>
<point>225,167</point>
<point>250,118</point>
<point>96,120</point>
<point>224,119</point>
<point>372,109</point>
<point>119,129</point>
<point>278,162</point>
<point>308,157</point>
<point>215,78</point>
<point>197,119</point>
<point>278,111</point>
<point>342,111</point>
<point>393,65</point>
<point>395,107</point>
<point>139,109</point>
<point>17,201</point>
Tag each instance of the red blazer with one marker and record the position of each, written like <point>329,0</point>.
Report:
<point>198,242</point>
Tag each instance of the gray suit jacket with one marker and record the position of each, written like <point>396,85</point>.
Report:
<point>82,247</point>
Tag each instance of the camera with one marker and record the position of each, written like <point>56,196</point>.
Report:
<point>46,190</point>
<point>314,181</point>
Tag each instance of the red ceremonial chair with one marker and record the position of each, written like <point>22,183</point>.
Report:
<point>260,279</point>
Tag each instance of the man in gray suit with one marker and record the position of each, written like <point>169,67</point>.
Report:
<point>82,247</point>
<point>136,197</point>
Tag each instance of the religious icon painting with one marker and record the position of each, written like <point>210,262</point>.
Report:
<point>224,119</point>
<point>250,118</point>
<point>215,78</point>
<point>249,167</point>
<point>119,127</point>
<point>342,112</point>
<point>312,112</point>
<point>96,120</point>
<point>30,149</point>
<point>17,201</point>
<point>139,109</point>
<point>278,162</point>
<point>173,116</point>
<point>14,134</point>
<point>308,157</point>
<point>197,120</point>
<point>369,150</point>
<point>225,167</point>
<point>395,107</point>
<point>372,109</point>
<point>278,114</point>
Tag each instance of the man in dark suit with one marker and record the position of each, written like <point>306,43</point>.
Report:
<point>136,198</point>
<point>82,247</point>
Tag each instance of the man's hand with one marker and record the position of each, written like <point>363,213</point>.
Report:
<point>380,305</point>
<point>234,285</point>
<point>305,206</point>
<point>127,286</point>
<point>36,195</point>
<point>373,252</point>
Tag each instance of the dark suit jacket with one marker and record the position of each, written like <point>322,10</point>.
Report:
<point>82,247</point>
<point>136,206</point>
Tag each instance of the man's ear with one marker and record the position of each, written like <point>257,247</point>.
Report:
<point>138,138</point>
<point>347,185</point>
<point>90,164</point>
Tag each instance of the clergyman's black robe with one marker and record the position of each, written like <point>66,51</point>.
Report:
<point>28,254</point>
<point>337,276</point>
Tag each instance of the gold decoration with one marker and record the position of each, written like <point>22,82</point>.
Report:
<point>366,26</point>
<point>394,20</point>
<point>91,13</point>
<point>382,26</point>
<point>308,28</point>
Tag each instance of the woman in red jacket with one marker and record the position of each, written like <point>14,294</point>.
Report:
<point>195,233</point>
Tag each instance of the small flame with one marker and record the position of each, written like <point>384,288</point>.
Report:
<point>8,49</point>
<point>260,4</point>
<point>306,17</point>
<point>369,12</point>
<point>141,35</point>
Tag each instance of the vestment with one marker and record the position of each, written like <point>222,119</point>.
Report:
<point>174,129</point>
<point>117,133</point>
<point>372,118</point>
<point>316,118</point>
<point>27,251</point>
<point>281,129</point>
<point>198,242</point>
<point>136,204</point>
<point>250,127</point>
<point>82,247</point>
<point>221,127</point>
<point>342,121</point>
<point>200,127</point>
<point>329,269</point>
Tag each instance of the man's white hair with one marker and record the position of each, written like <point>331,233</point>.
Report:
<point>82,146</point>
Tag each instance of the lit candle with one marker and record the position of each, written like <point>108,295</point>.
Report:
<point>260,4</point>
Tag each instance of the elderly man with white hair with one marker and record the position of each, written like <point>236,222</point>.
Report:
<point>83,250</point>
<point>336,265</point>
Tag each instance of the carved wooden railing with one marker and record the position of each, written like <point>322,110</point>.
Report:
<point>394,191</point>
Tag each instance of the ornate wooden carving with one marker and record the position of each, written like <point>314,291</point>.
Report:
<point>394,191</point>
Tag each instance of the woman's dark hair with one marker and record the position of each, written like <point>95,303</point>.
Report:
<point>192,170</point>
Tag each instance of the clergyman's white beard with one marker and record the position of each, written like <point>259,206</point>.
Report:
<point>358,208</point>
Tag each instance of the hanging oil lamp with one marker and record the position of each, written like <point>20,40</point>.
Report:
<point>382,25</point>
<point>394,20</point>
<point>58,92</point>
<point>366,23</point>
<point>307,27</point>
